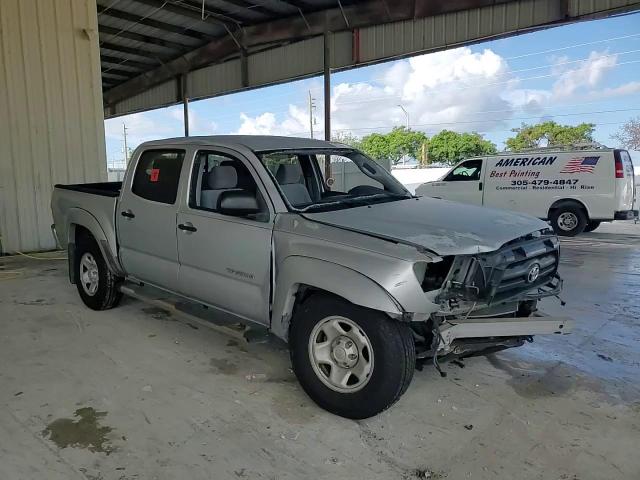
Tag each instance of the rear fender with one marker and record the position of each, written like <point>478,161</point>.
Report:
<point>77,217</point>
<point>298,272</point>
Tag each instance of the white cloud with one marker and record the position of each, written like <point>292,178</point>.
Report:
<point>588,73</point>
<point>296,122</point>
<point>441,88</point>
<point>142,127</point>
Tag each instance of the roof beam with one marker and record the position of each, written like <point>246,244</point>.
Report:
<point>143,38</point>
<point>283,29</point>
<point>119,72</point>
<point>297,4</point>
<point>252,7</point>
<point>118,78</point>
<point>150,22</point>
<point>157,57</point>
<point>186,9</point>
<point>126,61</point>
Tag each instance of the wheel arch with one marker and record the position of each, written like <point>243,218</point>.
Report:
<point>298,276</point>
<point>82,222</point>
<point>558,203</point>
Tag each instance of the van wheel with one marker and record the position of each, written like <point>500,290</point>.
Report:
<point>97,286</point>
<point>568,220</point>
<point>352,361</point>
<point>591,226</point>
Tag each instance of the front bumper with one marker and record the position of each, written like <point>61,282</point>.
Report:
<point>499,328</point>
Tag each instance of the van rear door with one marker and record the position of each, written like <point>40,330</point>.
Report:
<point>625,185</point>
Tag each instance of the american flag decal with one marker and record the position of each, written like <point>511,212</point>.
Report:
<point>580,165</point>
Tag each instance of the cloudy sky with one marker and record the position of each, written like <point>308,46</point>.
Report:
<point>588,72</point>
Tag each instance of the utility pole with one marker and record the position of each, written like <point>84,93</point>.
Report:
<point>406,115</point>
<point>126,150</point>
<point>311,107</point>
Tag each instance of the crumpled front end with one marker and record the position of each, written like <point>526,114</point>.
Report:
<point>488,301</point>
<point>522,270</point>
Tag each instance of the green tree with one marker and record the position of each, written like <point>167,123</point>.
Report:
<point>398,143</point>
<point>451,147</point>
<point>533,136</point>
<point>629,135</point>
<point>347,138</point>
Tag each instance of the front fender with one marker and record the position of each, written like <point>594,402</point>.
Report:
<point>349,284</point>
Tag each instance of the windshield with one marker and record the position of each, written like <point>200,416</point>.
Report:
<point>314,180</point>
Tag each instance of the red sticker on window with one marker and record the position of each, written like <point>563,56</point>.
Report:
<point>155,173</point>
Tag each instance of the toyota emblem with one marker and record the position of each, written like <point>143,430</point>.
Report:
<point>534,273</point>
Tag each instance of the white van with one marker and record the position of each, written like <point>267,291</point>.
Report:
<point>574,189</point>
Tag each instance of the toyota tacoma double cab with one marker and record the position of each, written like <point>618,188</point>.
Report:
<point>320,245</point>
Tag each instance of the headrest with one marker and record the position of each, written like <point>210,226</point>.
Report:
<point>222,177</point>
<point>289,173</point>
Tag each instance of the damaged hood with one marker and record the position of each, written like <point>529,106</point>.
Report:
<point>441,226</point>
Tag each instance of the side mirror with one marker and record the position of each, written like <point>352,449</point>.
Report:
<point>238,203</point>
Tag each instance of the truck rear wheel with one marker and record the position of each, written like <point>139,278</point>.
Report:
<point>568,219</point>
<point>97,286</point>
<point>352,361</point>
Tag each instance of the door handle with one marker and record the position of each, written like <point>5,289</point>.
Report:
<point>128,214</point>
<point>480,186</point>
<point>187,227</point>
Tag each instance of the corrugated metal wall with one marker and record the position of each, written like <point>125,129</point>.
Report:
<point>51,117</point>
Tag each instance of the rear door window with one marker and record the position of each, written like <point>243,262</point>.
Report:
<point>628,164</point>
<point>157,175</point>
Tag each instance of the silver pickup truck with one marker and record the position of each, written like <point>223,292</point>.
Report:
<point>318,243</point>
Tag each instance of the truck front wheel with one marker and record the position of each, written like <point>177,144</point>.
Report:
<point>352,361</point>
<point>97,286</point>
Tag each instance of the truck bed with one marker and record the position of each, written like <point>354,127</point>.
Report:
<point>106,189</point>
<point>92,205</point>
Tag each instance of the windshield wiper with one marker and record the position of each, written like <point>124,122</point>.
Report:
<point>363,200</point>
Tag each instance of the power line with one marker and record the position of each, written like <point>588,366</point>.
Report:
<point>577,45</point>
<point>481,132</point>
<point>497,119</point>
<point>472,87</point>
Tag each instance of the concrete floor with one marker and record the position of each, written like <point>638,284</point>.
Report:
<point>159,398</point>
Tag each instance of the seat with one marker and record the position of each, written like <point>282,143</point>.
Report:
<point>219,179</point>
<point>291,181</point>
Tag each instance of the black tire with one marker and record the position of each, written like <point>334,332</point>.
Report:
<point>107,294</point>
<point>392,351</point>
<point>572,211</point>
<point>592,225</point>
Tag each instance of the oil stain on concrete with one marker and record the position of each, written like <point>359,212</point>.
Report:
<point>157,313</point>
<point>85,432</point>
<point>224,366</point>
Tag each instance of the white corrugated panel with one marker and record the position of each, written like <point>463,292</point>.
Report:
<point>588,7</point>
<point>341,49</point>
<point>51,117</point>
<point>215,79</point>
<point>158,96</point>
<point>289,62</point>
<point>456,28</point>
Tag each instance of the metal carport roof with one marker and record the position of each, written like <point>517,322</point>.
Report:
<point>159,52</point>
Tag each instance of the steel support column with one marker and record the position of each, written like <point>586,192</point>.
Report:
<point>327,87</point>
<point>185,103</point>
